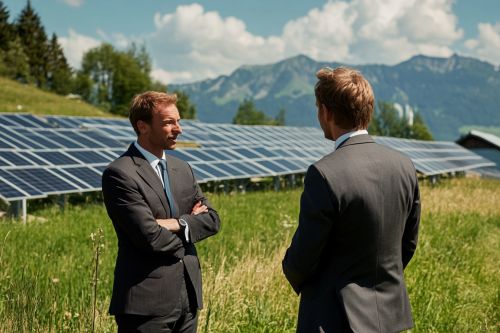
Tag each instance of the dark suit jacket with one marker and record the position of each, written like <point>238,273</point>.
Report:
<point>358,227</point>
<point>150,261</point>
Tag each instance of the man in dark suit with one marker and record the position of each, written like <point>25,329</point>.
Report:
<point>158,212</point>
<point>358,223</point>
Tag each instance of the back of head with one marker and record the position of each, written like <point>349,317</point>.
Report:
<point>144,104</point>
<point>346,93</point>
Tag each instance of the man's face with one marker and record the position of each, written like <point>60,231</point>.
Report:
<point>164,128</point>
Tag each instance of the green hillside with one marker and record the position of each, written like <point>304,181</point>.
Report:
<point>35,101</point>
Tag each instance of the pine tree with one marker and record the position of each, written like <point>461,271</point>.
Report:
<point>34,42</point>
<point>14,62</point>
<point>59,74</point>
<point>6,29</point>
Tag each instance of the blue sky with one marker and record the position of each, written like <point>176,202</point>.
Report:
<point>194,40</point>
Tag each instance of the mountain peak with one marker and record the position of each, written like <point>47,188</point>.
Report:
<point>442,65</point>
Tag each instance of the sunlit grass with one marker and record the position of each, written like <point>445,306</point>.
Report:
<point>46,268</point>
<point>17,97</point>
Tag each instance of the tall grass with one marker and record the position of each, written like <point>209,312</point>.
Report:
<point>47,268</point>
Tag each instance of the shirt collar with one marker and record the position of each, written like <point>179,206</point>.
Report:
<point>151,158</point>
<point>348,135</point>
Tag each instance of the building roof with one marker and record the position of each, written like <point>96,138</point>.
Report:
<point>487,137</point>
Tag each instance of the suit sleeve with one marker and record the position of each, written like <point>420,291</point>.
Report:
<point>410,235</point>
<point>203,225</point>
<point>131,215</point>
<point>315,224</point>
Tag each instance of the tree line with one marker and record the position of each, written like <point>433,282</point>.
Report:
<point>29,56</point>
<point>108,77</point>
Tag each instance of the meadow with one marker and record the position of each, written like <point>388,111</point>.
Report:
<point>17,97</point>
<point>47,267</point>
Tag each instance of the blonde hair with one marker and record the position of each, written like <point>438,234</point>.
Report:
<point>346,93</point>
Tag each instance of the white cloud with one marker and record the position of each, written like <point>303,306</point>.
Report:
<point>161,75</point>
<point>75,46</point>
<point>205,44</point>
<point>487,44</point>
<point>323,34</point>
<point>383,31</point>
<point>192,44</point>
<point>74,3</point>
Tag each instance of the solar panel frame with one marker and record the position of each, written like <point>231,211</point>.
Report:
<point>10,193</point>
<point>225,151</point>
<point>45,180</point>
<point>20,184</point>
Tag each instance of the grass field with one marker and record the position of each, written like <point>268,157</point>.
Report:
<point>46,268</point>
<point>36,101</point>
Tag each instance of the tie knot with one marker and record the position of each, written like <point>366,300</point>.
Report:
<point>163,164</point>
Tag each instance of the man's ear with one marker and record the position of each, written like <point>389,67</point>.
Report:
<point>142,126</point>
<point>327,113</point>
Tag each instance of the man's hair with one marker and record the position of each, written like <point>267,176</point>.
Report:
<point>142,106</point>
<point>346,93</point>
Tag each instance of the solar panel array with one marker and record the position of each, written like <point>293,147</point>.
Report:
<point>58,154</point>
<point>38,159</point>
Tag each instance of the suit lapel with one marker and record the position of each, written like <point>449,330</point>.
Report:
<point>149,176</point>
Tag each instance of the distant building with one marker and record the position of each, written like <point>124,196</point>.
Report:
<point>485,144</point>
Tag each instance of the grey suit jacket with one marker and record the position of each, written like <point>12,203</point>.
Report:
<point>358,226</point>
<point>151,260</point>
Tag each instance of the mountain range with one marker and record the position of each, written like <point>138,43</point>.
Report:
<point>450,93</point>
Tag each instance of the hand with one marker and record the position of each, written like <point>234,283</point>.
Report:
<point>198,208</point>
<point>169,224</point>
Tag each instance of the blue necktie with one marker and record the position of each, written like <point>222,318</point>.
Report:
<point>166,186</point>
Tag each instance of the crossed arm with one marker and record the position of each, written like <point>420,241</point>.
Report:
<point>173,224</point>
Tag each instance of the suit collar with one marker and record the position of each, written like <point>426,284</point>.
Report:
<point>355,140</point>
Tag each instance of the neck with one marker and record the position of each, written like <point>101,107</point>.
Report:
<point>158,152</point>
<point>338,132</point>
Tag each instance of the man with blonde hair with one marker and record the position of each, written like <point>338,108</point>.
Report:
<point>158,212</point>
<point>358,222</point>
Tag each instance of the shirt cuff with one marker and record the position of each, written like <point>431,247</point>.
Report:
<point>185,226</point>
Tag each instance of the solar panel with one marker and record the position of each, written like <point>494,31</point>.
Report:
<point>201,175</point>
<point>56,157</point>
<point>90,157</point>
<point>15,158</point>
<point>10,136</point>
<point>214,172</point>
<point>26,187</point>
<point>60,154</point>
<point>44,180</point>
<point>59,138</point>
<point>8,192</point>
<point>85,177</point>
